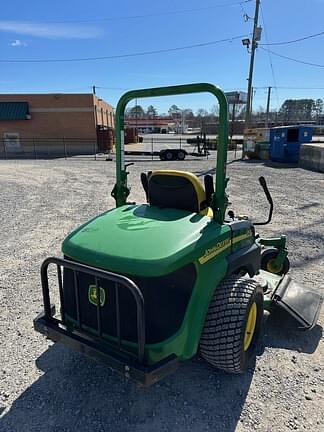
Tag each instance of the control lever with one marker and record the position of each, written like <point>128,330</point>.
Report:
<point>263,183</point>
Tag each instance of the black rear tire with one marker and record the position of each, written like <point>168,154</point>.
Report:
<point>223,342</point>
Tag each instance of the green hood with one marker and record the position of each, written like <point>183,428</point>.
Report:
<point>143,240</point>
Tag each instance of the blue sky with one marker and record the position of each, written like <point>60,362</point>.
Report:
<point>81,29</point>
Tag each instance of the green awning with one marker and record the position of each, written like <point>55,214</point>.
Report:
<point>13,110</point>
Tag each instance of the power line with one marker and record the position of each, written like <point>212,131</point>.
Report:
<point>118,56</point>
<point>292,88</point>
<point>293,59</point>
<point>113,88</point>
<point>302,88</point>
<point>295,40</point>
<point>151,15</point>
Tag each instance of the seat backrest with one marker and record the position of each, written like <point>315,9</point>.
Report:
<point>176,189</point>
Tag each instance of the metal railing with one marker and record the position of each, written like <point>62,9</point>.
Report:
<point>98,274</point>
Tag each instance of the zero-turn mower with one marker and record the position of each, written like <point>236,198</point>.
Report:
<point>146,286</point>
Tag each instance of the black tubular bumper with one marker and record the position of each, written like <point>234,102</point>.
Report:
<point>144,375</point>
<point>113,354</point>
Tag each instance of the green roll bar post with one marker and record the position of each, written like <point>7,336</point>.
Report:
<point>219,200</point>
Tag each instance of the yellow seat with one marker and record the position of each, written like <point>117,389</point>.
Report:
<point>177,189</point>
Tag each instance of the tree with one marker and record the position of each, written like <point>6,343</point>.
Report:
<point>214,110</point>
<point>319,106</point>
<point>202,112</point>
<point>187,113</point>
<point>202,117</point>
<point>151,112</point>
<point>135,112</point>
<point>298,109</point>
<point>174,111</point>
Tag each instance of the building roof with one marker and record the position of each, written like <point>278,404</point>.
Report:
<point>302,125</point>
<point>13,110</point>
<point>148,122</point>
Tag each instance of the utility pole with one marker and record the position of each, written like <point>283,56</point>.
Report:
<point>136,114</point>
<point>255,38</point>
<point>268,107</point>
<point>94,89</point>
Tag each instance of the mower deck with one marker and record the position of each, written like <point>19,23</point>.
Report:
<point>302,304</point>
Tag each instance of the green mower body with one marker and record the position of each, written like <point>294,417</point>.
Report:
<point>189,252</point>
<point>146,286</point>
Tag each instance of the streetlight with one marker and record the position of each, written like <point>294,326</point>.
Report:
<point>246,42</point>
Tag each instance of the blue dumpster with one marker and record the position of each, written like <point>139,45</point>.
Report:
<point>285,142</point>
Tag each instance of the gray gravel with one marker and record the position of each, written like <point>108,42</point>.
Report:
<point>48,387</point>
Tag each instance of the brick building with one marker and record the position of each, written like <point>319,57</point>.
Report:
<point>150,125</point>
<point>54,123</point>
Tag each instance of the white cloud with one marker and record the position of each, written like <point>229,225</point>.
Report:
<point>51,31</point>
<point>18,43</point>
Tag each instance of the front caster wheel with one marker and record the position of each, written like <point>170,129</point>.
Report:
<point>268,263</point>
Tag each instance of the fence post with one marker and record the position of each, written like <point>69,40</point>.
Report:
<point>152,147</point>
<point>94,150</point>
<point>180,143</point>
<point>64,143</point>
<point>4,148</point>
<point>34,146</point>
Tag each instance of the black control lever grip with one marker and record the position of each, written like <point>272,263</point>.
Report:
<point>129,164</point>
<point>264,186</point>
<point>263,183</point>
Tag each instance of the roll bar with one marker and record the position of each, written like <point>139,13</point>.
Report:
<point>219,199</point>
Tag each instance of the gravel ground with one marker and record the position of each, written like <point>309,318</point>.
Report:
<point>48,387</point>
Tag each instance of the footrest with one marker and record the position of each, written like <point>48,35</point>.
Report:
<point>301,303</point>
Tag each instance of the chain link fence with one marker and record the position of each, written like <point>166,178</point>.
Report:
<point>149,147</point>
<point>35,148</point>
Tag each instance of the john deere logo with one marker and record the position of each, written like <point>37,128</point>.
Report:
<point>215,250</point>
<point>92,295</point>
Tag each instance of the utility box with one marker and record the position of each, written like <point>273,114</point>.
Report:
<point>256,143</point>
<point>285,142</point>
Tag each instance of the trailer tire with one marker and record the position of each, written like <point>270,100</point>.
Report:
<point>168,155</point>
<point>181,155</point>
<point>233,324</point>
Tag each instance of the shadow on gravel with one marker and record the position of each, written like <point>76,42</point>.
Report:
<point>309,206</point>
<point>267,163</point>
<point>78,394</point>
<point>281,332</point>
<point>281,165</point>
<point>205,172</point>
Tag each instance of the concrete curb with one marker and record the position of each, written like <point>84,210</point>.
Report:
<point>312,157</point>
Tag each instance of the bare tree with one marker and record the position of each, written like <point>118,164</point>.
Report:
<point>151,112</point>
<point>135,112</point>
